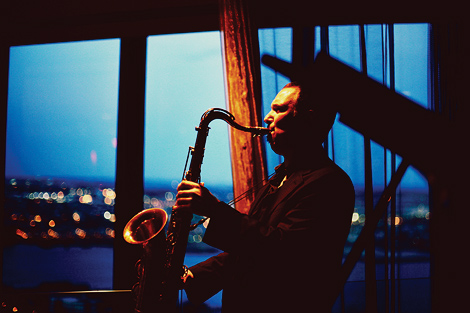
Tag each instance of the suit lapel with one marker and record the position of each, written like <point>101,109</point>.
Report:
<point>255,204</point>
<point>292,184</point>
<point>285,192</point>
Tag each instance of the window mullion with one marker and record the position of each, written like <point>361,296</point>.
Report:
<point>130,154</point>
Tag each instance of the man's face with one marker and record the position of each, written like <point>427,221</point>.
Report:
<point>281,121</point>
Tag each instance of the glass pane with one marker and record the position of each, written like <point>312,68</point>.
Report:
<point>184,79</point>
<point>412,80</point>
<point>344,44</point>
<point>412,61</point>
<point>60,165</point>
<point>411,223</point>
<point>275,42</point>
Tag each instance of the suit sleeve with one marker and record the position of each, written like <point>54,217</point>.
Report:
<point>208,279</point>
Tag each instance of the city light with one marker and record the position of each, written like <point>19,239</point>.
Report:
<point>92,207</point>
<point>107,215</point>
<point>22,234</point>
<point>86,199</point>
<point>355,217</point>
<point>76,217</point>
<point>80,233</point>
<point>53,234</point>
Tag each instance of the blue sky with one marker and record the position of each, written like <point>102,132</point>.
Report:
<point>62,107</point>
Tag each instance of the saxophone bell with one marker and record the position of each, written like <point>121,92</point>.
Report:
<point>145,225</point>
<point>146,229</point>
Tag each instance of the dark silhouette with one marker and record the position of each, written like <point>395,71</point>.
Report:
<point>281,256</point>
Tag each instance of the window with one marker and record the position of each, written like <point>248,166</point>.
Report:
<point>402,255</point>
<point>61,153</point>
<point>61,140</point>
<point>184,79</point>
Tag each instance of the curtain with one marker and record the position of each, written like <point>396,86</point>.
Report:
<point>242,96</point>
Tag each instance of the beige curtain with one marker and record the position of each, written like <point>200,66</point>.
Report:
<point>243,94</point>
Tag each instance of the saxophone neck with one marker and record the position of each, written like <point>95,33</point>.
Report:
<point>217,113</point>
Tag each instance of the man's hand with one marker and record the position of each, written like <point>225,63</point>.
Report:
<point>195,198</point>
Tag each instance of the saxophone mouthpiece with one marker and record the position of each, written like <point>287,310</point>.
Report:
<point>260,131</point>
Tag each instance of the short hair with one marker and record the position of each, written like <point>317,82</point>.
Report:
<point>324,112</point>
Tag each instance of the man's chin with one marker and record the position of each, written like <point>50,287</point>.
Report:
<point>275,148</point>
<point>269,138</point>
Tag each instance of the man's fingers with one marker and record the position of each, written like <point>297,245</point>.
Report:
<point>186,184</point>
<point>188,193</point>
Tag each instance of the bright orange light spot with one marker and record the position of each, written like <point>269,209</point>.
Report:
<point>80,233</point>
<point>51,223</point>
<point>52,233</point>
<point>15,309</point>
<point>110,193</point>
<point>76,217</point>
<point>398,220</point>
<point>110,233</point>
<point>37,218</point>
<point>86,199</point>
<point>22,234</point>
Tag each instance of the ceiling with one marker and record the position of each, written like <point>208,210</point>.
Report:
<point>30,21</point>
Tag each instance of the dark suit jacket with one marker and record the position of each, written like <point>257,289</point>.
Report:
<point>281,257</point>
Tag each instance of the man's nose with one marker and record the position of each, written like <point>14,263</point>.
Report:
<point>268,118</point>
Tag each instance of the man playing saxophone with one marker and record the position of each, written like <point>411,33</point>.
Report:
<point>283,255</point>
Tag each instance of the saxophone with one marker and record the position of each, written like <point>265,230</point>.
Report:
<point>161,266</point>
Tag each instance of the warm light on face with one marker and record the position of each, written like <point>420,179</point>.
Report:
<point>281,120</point>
